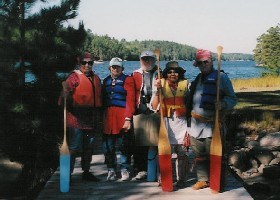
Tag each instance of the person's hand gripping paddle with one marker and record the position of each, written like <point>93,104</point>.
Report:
<point>216,144</point>
<point>64,159</point>
<point>164,149</point>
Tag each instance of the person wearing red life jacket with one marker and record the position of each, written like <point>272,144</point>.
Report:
<point>84,101</point>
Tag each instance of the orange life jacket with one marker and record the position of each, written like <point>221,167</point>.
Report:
<point>174,102</point>
<point>87,93</point>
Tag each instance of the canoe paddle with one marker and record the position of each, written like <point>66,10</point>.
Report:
<point>164,149</point>
<point>64,159</point>
<point>216,144</point>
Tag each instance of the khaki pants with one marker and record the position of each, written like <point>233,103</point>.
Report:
<point>179,163</point>
<point>201,149</point>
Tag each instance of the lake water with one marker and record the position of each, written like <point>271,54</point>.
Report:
<point>234,69</point>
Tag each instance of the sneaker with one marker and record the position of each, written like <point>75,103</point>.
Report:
<point>87,176</point>
<point>200,185</point>
<point>125,175</point>
<point>141,175</point>
<point>111,176</point>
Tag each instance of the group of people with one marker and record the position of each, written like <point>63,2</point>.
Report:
<point>125,108</point>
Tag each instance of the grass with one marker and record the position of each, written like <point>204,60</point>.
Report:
<point>257,111</point>
<point>263,82</point>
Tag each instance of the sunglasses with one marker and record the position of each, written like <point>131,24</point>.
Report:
<point>204,62</point>
<point>147,58</point>
<point>172,71</point>
<point>115,67</point>
<point>87,62</point>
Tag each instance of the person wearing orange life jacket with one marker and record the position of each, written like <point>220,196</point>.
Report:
<point>84,102</point>
<point>119,102</point>
<point>174,89</point>
<point>201,102</point>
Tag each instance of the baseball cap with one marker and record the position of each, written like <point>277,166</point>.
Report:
<point>147,53</point>
<point>116,61</point>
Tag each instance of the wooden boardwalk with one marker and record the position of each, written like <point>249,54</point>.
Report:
<point>133,189</point>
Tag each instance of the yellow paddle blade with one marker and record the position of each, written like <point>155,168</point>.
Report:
<point>216,143</point>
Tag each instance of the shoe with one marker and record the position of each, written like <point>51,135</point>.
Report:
<point>200,185</point>
<point>87,176</point>
<point>180,184</point>
<point>141,175</point>
<point>125,175</point>
<point>159,181</point>
<point>111,176</point>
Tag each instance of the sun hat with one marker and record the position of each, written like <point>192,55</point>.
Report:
<point>172,65</point>
<point>202,55</point>
<point>116,62</point>
<point>147,53</point>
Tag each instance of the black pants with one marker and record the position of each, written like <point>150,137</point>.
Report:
<point>140,156</point>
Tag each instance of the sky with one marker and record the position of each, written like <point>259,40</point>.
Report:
<point>233,24</point>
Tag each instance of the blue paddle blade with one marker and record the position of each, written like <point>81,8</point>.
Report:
<point>64,173</point>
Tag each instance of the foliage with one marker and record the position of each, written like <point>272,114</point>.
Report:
<point>34,133</point>
<point>237,56</point>
<point>105,47</point>
<point>267,51</point>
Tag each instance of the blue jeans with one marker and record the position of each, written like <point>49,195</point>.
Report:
<point>113,143</point>
<point>81,140</point>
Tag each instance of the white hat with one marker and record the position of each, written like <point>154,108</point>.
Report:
<point>148,53</point>
<point>116,61</point>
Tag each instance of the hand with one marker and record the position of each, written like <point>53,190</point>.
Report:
<point>219,105</point>
<point>158,84</point>
<point>126,126</point>
<point>64,94</point>
<point>65,91</point>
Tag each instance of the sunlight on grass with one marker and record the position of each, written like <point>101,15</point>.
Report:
<point>268,122</point>
<point>262,82</point>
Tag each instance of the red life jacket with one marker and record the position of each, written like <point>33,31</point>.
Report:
<point>87,93</point>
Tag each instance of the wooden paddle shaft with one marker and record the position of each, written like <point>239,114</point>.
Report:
<point>64,148</point>
<point>216,144</point>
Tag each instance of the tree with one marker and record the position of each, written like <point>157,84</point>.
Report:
<point>33,134</point>
<point>267,51</point>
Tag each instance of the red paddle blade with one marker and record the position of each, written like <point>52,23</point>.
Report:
<point>215,172</point>
<point>165,167</point>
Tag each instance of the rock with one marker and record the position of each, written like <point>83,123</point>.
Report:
<point>240,138</point>
<point>261,135</point>
<point>275,161</point>
<point>272,172</point>
<point>250,172</point>
<point>261,167</point>
<point>271,140</point>
<point>254,163</point>
<point>253,144</point>
<point>276,154</point>
<point>263,155</point>
<point>239,160</point>
<point>258,188</point>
